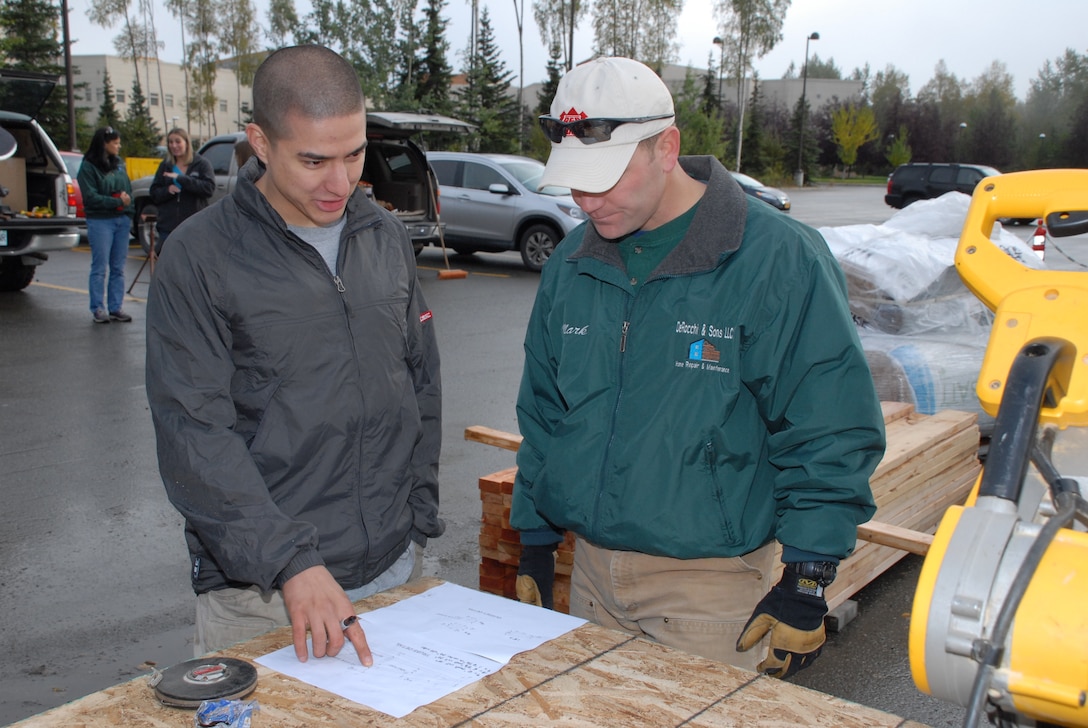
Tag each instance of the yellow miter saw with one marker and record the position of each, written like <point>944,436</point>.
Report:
<point>1000,617</point>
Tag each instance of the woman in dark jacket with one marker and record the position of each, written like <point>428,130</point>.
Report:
<point>107,200</point>
<point>183,184</point>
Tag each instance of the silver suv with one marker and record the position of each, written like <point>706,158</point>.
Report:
<point>490,203</point>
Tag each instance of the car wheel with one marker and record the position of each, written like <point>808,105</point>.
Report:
<point>536,246</point>
<point>14,274</point>
<point>910,200</point>
<point>143,228</point>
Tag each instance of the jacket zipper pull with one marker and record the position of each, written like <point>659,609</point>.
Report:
<point>339,284</point>
<point>623,337</point>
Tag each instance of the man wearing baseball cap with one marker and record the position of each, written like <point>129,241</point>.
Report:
<point>694,389</point>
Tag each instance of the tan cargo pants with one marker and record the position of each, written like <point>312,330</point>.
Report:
<point>696,605</point>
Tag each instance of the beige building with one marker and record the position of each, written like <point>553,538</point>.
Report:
<point>163,85</point>
<point>784,92</point>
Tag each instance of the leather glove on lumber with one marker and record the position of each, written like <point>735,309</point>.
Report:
<point>536,576</point>
<point>792,613</point>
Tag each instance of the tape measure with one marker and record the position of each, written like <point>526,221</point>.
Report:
<point>190,683</point>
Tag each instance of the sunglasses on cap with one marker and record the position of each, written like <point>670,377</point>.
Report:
<point>589,131</point>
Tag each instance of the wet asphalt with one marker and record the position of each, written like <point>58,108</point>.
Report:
<point>93,570</point>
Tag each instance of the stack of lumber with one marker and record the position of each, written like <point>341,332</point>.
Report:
<point>931,462</point>
<point>500,545</point>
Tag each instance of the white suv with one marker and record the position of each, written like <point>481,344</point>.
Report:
<point>490,203</point>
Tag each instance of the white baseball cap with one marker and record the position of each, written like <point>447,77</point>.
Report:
<point>622,102</point>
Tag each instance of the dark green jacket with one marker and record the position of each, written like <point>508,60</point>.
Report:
<point>98,189</point>
<point>726,403</point>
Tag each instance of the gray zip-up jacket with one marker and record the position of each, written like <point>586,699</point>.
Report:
<point>297,412</point>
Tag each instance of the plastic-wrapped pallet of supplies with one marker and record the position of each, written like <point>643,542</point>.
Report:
<point>932,373</point>
<point>923,332</point>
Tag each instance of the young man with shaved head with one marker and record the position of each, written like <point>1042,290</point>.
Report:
<point>293,376</point>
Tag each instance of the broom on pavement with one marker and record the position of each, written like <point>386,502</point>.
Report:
<point>449,272</point>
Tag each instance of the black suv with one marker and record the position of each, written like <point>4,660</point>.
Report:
<point>912,182</point>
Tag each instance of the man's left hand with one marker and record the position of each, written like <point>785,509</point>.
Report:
<point>792,613</point>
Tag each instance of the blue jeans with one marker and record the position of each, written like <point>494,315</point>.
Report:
<point>108,237</point>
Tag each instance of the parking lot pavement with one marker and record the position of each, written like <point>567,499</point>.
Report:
<point>93,570</point>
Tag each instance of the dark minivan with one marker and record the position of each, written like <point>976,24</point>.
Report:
<point>924,181</point>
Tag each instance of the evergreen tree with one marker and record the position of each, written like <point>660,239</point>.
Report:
<point>539,147</point>
<point>712,103</point>
<point>29,41</point>
<point>432,80</point>
<point>551,84</point>
<point>401,92</point>
<point>700,133</point>
<point>107,112</point>
<point>487,101</point>
<point>139,133</point>
<point>808,157</point>
<point>755,161</point>
<point>1075,148</point>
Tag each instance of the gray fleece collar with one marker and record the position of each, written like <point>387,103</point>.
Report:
<point>716,230</point>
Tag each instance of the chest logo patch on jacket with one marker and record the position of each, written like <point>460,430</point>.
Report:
<point>705,353</point>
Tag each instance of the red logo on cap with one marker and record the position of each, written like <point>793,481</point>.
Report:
<point>572,115</point>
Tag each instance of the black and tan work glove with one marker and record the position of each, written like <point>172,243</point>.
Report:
<point>536,575</point>
<point>792,613</point>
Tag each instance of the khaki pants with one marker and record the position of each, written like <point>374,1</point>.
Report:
<point>227,616</point>
<point>696,605</point>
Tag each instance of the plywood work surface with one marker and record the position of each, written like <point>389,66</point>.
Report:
<point>591,676</point>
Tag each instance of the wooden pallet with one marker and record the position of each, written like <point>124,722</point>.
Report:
<point>930,463</point>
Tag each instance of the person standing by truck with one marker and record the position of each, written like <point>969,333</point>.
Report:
<point>107,200</point>
<point>183,184</point>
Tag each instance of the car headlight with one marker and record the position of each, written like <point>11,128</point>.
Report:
<point>574,211</point>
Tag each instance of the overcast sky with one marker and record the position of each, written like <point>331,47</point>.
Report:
<point>913,36</point>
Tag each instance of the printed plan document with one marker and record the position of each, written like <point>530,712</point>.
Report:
<point>427,646</point>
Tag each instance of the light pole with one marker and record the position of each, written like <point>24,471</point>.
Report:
<point>720,42</point>
<point>799,176</point>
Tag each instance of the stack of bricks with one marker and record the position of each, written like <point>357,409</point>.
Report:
<point>500,545</point>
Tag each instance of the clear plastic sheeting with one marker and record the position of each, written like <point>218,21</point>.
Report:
<point>923,331</point>
<point>933,372</point>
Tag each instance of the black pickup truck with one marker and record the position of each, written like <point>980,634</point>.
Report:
<point>38,204</point>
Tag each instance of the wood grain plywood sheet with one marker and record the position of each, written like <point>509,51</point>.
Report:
<point>588,677</point>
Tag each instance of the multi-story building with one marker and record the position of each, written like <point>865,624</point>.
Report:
<point>783,92</point>
<point>163,85</point>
